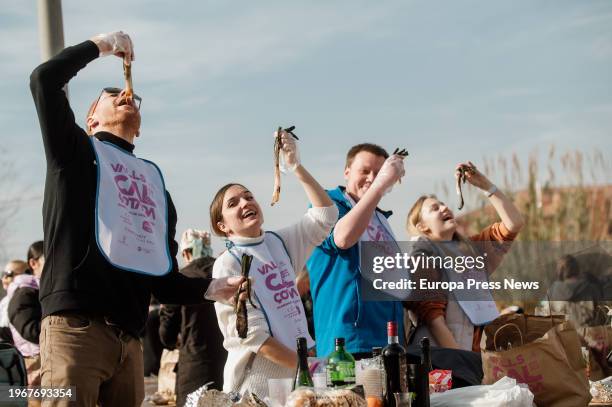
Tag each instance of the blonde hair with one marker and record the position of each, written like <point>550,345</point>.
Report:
<point>414,217</point>
<point>19,266</point>
<point>414,214</point>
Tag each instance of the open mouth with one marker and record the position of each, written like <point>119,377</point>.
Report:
<point>447,216</point>
<point>124,102</point>
<point>249,214</point>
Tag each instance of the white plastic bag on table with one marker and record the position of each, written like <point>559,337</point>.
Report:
<point>503,393</point>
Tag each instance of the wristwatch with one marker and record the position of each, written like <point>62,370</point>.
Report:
<point>489,192</point>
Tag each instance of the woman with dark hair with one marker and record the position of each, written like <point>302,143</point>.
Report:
<point>567,268</point>
<point>36,258</point>
<point>25,312</point>
<point>276,316</point>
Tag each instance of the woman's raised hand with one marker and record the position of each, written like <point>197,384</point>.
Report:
<point>474,176</point>
<point>290,155</point>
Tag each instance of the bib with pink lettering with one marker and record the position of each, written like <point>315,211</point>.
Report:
<point>131,211</point>
<point>275,288</point>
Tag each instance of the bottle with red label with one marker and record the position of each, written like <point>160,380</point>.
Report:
<point>394,362</point>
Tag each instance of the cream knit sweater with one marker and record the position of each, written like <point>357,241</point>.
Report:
<point>300,239</point>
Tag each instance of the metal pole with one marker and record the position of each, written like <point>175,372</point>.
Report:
<point>50,29</point>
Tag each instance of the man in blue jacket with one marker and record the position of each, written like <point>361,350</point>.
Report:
<point>339,310</point>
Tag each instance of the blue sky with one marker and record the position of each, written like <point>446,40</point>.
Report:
<point>450,81</point>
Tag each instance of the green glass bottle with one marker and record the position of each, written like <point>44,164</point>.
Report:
<point>340,366</point>
<point>302,374</point>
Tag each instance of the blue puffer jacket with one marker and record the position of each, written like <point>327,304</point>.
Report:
<point>339,310</point>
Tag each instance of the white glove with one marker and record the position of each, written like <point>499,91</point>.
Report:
<point>223,289</point>
<point>391,172</point>
<point>290,156</point>
<point>115,43</point>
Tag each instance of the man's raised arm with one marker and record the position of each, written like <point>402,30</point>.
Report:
<point>57,122</point>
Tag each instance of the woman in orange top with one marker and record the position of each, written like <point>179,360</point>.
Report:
<point>449,322</point>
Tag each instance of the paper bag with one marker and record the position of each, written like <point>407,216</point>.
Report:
<point>551,364</point>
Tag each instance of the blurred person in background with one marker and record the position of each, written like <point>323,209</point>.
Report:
<point>25,312</point>
<point>302,281</point>
<point>36,258</point>
<point>151,345</point>
<point>12,269</point>
<point>575,294</point>
<point>193,329</point>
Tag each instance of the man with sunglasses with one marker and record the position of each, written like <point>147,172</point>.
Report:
<point>109,227</point>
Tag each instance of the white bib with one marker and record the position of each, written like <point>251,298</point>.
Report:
<point>380,238</point>
<point>480,308</point>
<point>131,211</point>
<point>274,283</point>
<point>378,229</point>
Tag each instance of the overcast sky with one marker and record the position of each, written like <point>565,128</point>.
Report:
<point>450,81</point>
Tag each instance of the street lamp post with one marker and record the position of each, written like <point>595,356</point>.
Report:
<point>50,29</point>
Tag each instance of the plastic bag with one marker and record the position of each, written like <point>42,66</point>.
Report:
<point>503,393</point>
<point>602,390</point>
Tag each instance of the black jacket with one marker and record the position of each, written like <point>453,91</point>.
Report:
<point>201,353</point>
<point>76,277</point>
<point>25,313</point>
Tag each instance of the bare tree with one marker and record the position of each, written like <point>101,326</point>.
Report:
<point>11,199</point>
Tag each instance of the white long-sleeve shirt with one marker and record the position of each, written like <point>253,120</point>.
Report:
<point>240,374</point>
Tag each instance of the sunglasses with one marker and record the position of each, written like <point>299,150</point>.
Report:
<point>8,273</point>
<point>114,92</point>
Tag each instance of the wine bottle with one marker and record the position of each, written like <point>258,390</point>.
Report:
<point>302,374</point>
<point>422,376</point>
<point>340,366</point>
<point>394,361</point>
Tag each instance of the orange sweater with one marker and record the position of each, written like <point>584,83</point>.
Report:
<point>427,311</point>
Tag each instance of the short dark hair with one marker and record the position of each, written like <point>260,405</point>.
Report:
<point>567,267</point>
<point>35,250</point>
<point>369,147</point>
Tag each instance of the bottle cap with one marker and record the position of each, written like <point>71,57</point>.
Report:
<point>391,328</point>
<point>339,341</point>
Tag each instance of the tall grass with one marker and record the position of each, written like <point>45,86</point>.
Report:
<point>561,196</point>
<point>564,197</point>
